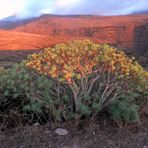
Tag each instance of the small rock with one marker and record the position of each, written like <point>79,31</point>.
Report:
<point>37,124</point>
<point>61,132</point>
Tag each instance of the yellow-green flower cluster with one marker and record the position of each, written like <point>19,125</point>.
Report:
<point>77,59</point>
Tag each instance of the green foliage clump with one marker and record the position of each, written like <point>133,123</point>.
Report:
<point>21,92</point>
<point>124,110</point>
<point>72,81</point>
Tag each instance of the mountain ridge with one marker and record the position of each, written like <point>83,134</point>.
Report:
<point>127,32</point>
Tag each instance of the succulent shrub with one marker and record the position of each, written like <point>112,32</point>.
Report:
<point>95,75</point>
<point>72,80</point>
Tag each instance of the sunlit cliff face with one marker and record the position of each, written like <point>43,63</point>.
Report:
<point>32,8</point>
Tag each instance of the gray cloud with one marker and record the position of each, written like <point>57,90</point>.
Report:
<point>108,7</point>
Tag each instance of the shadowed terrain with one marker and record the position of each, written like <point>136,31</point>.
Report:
<point>141,39</point>
<point>9,58</point>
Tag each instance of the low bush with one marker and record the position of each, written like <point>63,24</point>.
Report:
<point>96,75</point>
<point>72,81</point>
<point>20,94</point>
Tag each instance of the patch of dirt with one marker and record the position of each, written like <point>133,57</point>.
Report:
<point>105,134</point>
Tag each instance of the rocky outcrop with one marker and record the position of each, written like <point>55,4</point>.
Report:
<point>141,40</point>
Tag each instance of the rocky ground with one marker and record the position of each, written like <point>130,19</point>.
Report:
<point>89,134</point>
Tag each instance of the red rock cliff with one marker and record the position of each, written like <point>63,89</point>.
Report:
<point>127,32</point>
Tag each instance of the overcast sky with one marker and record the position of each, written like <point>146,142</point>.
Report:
<point>33,8</point>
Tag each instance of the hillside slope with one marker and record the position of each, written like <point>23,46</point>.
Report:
<point>126,32</point>
<point>11,40</point>
<point>120,31</point>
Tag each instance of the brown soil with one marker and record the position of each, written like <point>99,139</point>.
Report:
<point>100,134</point>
